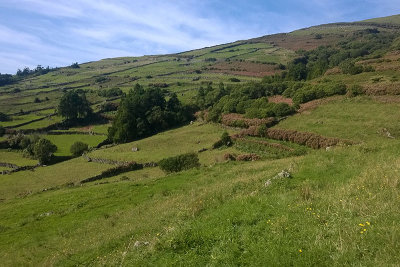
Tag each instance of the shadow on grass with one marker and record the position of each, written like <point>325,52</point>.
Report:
<point>58,159</point>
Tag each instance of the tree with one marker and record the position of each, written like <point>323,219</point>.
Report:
<point>74,105</point>
<point>78,148</point>
<point>43,150</point>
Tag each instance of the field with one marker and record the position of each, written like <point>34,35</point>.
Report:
<point>290,206</point>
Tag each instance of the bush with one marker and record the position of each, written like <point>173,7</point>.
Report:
<point>2,131</point>
<point>179,163</point>
<point>43,150</point>
<point>355,90</point>
<point>225,140</point>
<point>78,148</point>
<point>235,80</point>
<point>282,109</point>
<point>4,117</point>
<point>110,92</point>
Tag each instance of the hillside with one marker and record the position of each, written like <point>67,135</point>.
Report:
<point>310,176</point>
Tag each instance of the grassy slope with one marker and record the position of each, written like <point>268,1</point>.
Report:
<point>224,214</point>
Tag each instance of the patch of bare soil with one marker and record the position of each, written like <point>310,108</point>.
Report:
<point>280,99</point>
<point>86,128</point>
<point>244,69</point>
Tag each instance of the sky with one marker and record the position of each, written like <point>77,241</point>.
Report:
<point>57,33</point>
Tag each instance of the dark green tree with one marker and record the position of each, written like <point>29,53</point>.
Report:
<point>74,105</point>
<point>43,150</point>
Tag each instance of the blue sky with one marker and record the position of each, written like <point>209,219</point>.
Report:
<point>58,33</point>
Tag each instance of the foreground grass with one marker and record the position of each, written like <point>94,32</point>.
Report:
<point>218,215</point>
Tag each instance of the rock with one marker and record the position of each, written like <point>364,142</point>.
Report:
<point>140,243</point>
<point>268,183</point>
<point>135,149</point>
<point>284,174</point>
<point>329,148</point>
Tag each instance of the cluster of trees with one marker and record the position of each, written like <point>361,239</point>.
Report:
<point>250,99</point>
<point>145,112</point>
<point>39,70</point>
<point>307,92</point>
<point>34,147</point>
<point>314,63</point>
<point>112,92</point>
<point>6,79</point>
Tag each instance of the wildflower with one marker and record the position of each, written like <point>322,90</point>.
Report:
<point>368,223</point>
<point>361,232</point>
<point>300,250</point>
<point>365,230</point>
<point>362,225</point>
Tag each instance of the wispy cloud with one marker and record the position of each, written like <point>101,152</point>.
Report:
<point>54,33</point>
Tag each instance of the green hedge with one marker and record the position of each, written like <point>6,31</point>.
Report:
<point>179,163</point>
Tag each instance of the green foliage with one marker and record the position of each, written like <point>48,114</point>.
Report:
<point>43,150</point>
<point>311,92</point>
<point>110,92</point>
<point>6,79</point>
<point>179,163</point>
<point>145,112</point>
<point>225,140</point>
<point>4,117</point>
<point>355,90</point>
<point>74,105</point>
<point>235,80</point>
<point>2,131</point>
<point>78,148</point>
<point>74,65</point>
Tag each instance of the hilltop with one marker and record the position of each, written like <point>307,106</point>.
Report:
<point>296,137</point>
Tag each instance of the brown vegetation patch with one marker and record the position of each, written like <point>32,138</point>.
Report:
<point>238,120</point>
<point>280,99</point>
<point>312,140</point>
<point>333,71</point>
<point>298,42</point>
<point>382,89</point>
<point>245,69</point>
<point>387,98</point>
<point>268,144</point>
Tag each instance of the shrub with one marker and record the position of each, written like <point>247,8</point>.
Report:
<point>2,131</point>
<point>225,140</point>
<point>43,150</point>
<point>235,80</point>
<point>355,90</point>
<point>282,109</point>
<point>179,163</point>
<point>4,117</point>
<point>78,148</point>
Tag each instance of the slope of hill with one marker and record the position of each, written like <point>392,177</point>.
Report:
<point>316,187</point>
